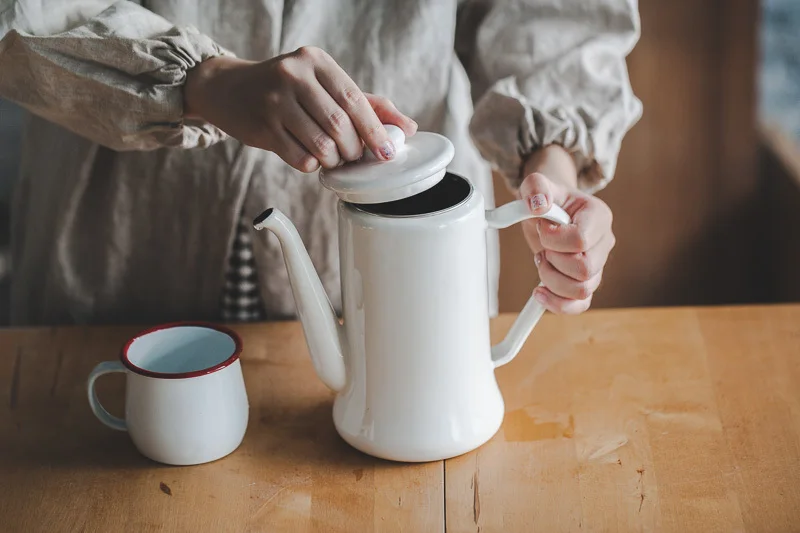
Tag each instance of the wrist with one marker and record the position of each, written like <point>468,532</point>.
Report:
<point>202,82</point>
<point>555,163</point>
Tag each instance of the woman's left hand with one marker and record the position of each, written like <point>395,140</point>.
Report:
<point>570,258</point>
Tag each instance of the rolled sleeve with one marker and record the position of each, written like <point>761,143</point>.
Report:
<point>116,79</point>
<point>555,73</point>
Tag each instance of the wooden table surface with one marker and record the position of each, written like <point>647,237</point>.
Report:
<point>627,420</point>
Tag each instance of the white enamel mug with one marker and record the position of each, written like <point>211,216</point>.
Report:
<point>185,400</point>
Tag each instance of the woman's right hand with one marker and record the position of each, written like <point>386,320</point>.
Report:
<point>302,106</point>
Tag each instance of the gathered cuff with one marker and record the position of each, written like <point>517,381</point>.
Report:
<point>507,127</point>
<point>117,79</point>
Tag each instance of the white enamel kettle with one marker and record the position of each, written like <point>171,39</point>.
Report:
<point>412,363</point>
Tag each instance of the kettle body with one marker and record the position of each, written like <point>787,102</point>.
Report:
<point>415,302</point>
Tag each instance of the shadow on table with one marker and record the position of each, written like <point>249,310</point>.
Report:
<point>44,446</point>
<point>303,434</point>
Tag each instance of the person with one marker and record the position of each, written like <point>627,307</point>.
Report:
<point>159,129</point>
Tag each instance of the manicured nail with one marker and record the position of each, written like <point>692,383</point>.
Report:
<point>540,297</point>
<point>387,150</point>
<point>537,258</point>
<point>537,201</point>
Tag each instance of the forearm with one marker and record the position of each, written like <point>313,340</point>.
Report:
<point>555,163</point>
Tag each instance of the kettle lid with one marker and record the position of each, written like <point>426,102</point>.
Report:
<point>419,163</point>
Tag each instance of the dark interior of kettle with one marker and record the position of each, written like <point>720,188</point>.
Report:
<point>448,193</point>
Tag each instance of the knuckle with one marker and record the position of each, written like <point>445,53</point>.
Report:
<point>352,97</point>
<point>273,99</point>
<point>582,306</point>
<point>338,120</point>
<point>352,153</point>
<point>307,164</point>
<point>309,52</point>
<point>577,307</point>
<point>328,164</point>
<point>324,144</point>
<point>374,131</point>
<point>583,290</point>
<point>582,239</point>
<point>287,69</point>
<point>584,266</point>
<point>383,101</point>
<point>561,308</point>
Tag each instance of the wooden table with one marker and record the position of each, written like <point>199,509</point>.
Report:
<point>630,420</point>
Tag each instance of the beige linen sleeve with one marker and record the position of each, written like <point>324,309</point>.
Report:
<point>553,71</point>
<point>112,73</point>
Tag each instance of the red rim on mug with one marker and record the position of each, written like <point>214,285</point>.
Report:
<point>237,341</point>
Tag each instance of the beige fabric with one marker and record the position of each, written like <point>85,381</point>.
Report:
<point>125,211</point>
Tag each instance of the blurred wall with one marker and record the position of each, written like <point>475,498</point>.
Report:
<point>686,187</point>
<point>10,124</point>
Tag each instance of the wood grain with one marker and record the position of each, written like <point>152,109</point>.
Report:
<point>677,419</point>
<point>63,471</point>
<point>661,420</point>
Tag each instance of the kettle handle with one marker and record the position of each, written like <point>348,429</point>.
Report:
<point>503,217</point>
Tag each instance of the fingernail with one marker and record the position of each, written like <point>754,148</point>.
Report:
<point>387,150</point>
<point>537,201</point>
<point>540,297</point>
<point>537,258</point>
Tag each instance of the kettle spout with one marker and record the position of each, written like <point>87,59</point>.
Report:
<point>322,330</point>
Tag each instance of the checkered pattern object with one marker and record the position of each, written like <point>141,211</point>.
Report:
<point>241,299</point>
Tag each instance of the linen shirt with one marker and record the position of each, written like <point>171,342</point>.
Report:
<point>125,210</point>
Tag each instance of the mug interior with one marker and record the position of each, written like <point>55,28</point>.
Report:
<point>180,351</point>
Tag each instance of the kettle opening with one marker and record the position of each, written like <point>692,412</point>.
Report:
<point>451,191</point>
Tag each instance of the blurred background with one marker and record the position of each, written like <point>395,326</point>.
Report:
<point>707,192</point>
<point>706,197</point>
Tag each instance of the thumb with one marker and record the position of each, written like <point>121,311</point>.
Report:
<point>536,189</point>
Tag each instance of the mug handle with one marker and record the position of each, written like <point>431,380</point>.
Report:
<point>107,367</point>
<point>503,217</point>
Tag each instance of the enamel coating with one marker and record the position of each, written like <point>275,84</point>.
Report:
<point>179,419</point>
<point>419,163</point>
<point>412,363</point>
<point>421,381</point>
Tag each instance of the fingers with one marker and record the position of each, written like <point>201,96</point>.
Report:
<point>326,111</point>
<point>316,101</point>
<point>591,220</point>
<point>316,141</point>
<point>559,305</point>
<point>293,153</point>
<point>570,258</point>
<point>350,98</point>
<point>536,189</point>
<point>562,285</point>
<point>389,114</point>
<point>582,266</point>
